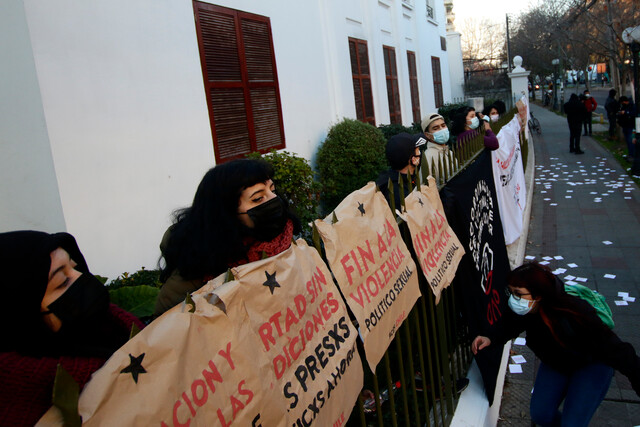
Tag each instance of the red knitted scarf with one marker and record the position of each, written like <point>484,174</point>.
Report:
<point>273,247</point>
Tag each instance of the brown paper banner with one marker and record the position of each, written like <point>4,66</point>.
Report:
<point>273,348</point>
<point>303,330</point>
<point>192,369</point>
<point>372,266</point>
<point>436,246</point>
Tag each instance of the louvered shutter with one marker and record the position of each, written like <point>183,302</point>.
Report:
<point>437,81</point>
<point>240,78</point>
<point>413,84</point>
<point>362,92</point>
<point>393,95</point>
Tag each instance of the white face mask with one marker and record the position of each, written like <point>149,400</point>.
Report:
<point>494,117</point>
<point>474,123</point>
<point>441,137</point>
<point>520,306</point>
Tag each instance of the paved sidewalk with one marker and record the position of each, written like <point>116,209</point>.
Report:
<point>580,203</point>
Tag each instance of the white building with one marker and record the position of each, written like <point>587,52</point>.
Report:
<point>105,120</point>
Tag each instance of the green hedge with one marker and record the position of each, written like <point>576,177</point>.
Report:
<point>352,155</point>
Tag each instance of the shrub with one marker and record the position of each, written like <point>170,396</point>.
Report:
<point>389,130</point>
<point>352,155</point>
<point>136,293</point>
<point>294,180</point>
<point>447,109</point>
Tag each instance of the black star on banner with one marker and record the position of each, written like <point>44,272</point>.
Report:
<point>135,367</point>
<point>420,201</point>
<point>361,208</point>
<point>271,281</point>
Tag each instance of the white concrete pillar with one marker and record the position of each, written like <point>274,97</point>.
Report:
<point>519,80</point>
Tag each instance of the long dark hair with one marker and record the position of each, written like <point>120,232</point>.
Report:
<point>459,120</point>
<point>553,302</point>
<point>206,236</point>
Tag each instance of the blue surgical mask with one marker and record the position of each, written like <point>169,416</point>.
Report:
<point>474,123</point>
<point>441,137</point>
<point>520,306</point>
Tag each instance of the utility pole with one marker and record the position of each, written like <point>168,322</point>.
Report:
<point>508,45</point>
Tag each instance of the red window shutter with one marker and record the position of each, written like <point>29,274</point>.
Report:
<point>362,92</point>
<point>393,95</point>
<point>413,84</point>
<point>437,81</point>
<point>240,78</point>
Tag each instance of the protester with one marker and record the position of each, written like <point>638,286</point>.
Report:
<point>236,216</point>
<point>404,156</point>
<point>437,134</point>
<point>576,112</point>
<point>626,118</point>
<point>590,104</point>
<point>491,112</point>
<point>612,107</point>
<point>56,313</point>
<point>500,107</point>
<point>465,126</point>
<point>578,352</point>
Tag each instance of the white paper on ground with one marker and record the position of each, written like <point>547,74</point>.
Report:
<point>572,265</point>
<point>621,302</point>
<point>609,276</point>
<point>520,341</point>
<point>529,257</point>
<point>569,277</point>
<point>607,242</point>
<point>623,294</point>
<point>518,359</point>
<point>581,279</point>
<point>629,299</point>
<point>544,263</point>
<point>558,257</point>
<point>515,368</point>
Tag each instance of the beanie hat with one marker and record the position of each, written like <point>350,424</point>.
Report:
<point>427,120</point>
<point>400,149</point>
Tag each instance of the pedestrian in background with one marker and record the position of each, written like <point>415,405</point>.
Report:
<point>576,111</point>
<point>612,107</point>
<point>590,104</point>
<point>626,119</point>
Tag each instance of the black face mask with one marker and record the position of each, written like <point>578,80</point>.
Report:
<point>268,219</point>
<point>85,302</point>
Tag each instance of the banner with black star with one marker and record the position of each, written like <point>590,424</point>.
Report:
<point>185,368</point>
<point>274,347</point>
<point>372,265</point>
<point>291,305</point>
<point>437,247</point>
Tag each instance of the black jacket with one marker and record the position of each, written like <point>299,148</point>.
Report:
<point>383,184</point>
<point>582,344</point>
<point>575,110</point>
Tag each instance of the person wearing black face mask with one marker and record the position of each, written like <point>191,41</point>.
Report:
<point>235,218</point>
<point>56,312</point>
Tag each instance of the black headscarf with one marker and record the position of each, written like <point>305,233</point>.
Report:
<point>25,261</point>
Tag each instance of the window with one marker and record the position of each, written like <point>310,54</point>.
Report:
<point>391,72</point>
<point>430,11</point>
<point>437,81</point>
<point>361,81</point>
<point>240,79</point>
<point>413,84</point>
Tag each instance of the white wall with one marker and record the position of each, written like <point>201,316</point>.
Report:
<point>115,90</point>
<point>123,99</point>
<point>28,186</point>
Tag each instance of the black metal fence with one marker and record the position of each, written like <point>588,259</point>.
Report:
<point>423,371</point>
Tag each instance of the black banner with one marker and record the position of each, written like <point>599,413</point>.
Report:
<point>471,207</point>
